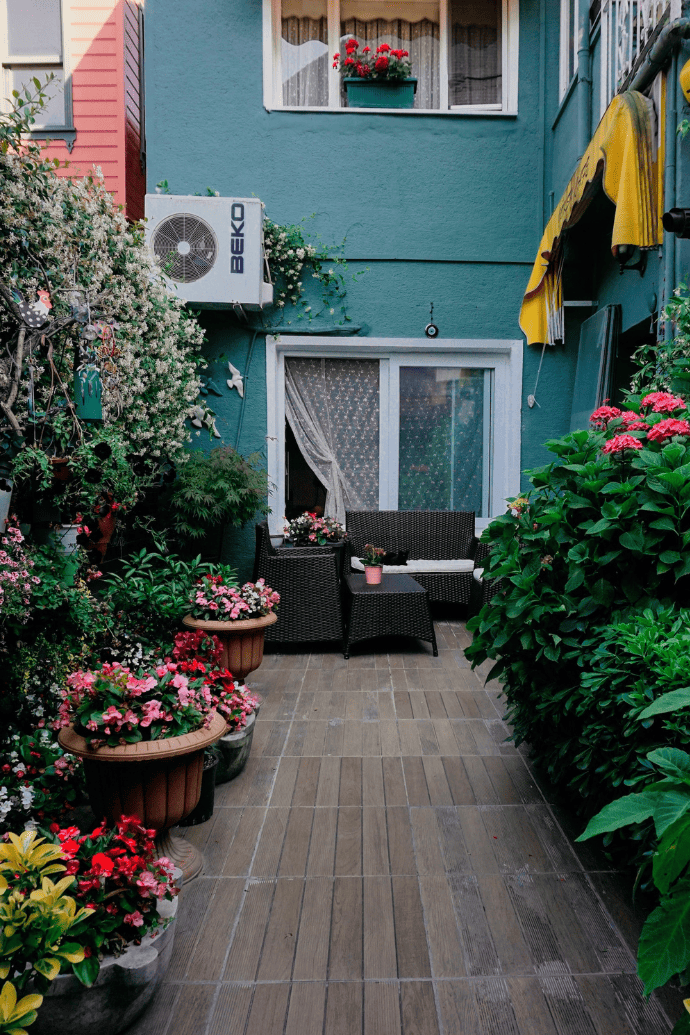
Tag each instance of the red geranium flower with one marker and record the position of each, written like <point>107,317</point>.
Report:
<point>381,64</point>
<point>383,49</point>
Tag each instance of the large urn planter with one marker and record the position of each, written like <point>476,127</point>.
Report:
<point>157,780</point>
<point>242,641</point>
<point>380,93</point>
<point>233,751</point>
<point>123,989</point>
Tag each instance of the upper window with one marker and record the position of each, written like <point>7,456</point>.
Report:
<point>463,52</point>
<point>32,48</point>
<point>568,60</point>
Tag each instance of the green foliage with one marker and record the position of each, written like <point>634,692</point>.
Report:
<point>100,470</point>
<point>600,538</point>
<point>665,365</point>
<point>35,913</point>
<point>218,487</point>
<point>664,948</point>
<point>13,1013</point>
<point>150,594</point>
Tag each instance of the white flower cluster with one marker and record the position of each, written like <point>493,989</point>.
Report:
<point>68,232</point>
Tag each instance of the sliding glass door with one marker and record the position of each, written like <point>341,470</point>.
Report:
<point>442,431</point>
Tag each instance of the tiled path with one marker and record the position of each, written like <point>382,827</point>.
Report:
<point>386,864</point>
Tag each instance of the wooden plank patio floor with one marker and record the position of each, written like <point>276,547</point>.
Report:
<point>387,864</point>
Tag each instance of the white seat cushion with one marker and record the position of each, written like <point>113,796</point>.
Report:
<point>420,567</point>
<point>478,574</point>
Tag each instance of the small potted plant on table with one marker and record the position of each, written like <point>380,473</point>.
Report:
<point>376,79</point>
<point>373,564</point>
<point>238,616</point>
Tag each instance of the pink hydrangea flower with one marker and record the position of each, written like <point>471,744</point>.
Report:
<point>619,443</point>
<point>667,428</point>
<point>663,402</point>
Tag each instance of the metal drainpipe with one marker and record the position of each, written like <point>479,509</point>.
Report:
<point>659,54</point>
<point>584,77</point>
<point>670,189</point>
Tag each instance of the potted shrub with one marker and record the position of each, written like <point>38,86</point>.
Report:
<point>142,738</point>
<point>373,564</point>
<point>126,933</point>
<point>239,618</point>
<point>376,79</point>
<point>232,750</point>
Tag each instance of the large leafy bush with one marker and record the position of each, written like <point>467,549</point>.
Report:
<point>603,535</point>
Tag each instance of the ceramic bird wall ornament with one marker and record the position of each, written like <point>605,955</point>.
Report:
<point>33,314</point>
<point>235,380</point>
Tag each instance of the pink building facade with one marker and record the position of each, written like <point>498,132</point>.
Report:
<point>95,115</point>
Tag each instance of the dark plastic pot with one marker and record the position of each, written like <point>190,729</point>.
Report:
<point>204,809</point>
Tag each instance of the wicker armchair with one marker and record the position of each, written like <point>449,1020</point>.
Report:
<point>483,589</point>
<point>309,588</point>
<point>428,535</point>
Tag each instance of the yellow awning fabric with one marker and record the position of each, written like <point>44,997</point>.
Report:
<point>621,157</point>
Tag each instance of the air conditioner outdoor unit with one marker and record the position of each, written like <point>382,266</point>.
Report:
<point>210,250</point>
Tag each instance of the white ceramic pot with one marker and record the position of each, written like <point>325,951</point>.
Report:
<point>66,538</point>
<point>5,500</point>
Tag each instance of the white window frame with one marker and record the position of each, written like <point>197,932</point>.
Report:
<point>503,357</point>
<point>566,75</point>
<point>49,62</point>
<point>273,88</point>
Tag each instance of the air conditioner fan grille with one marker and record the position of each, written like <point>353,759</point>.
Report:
<point>185,247</point>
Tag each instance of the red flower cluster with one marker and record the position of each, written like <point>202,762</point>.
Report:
<point>603,415</point>
<point>119,879</point>
<point>668,428</point>
<point>619,443</point>
<point>663,402</point>
<point>385,63</point>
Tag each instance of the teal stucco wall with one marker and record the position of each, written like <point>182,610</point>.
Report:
<point>439,208</point>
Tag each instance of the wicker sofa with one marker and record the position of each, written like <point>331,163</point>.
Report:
<point>309,586</point>
<point>440,543</point>
<point>483,589</point>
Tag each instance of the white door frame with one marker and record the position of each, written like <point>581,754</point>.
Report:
<point>501,355</point>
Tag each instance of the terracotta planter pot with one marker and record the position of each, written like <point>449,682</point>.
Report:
<point>373,573</point>
<point>243,641</point>
<point>106,527</point>
<point>157,780</point>
<point>61,472</point>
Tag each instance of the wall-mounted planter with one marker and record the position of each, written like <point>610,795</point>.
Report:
<point>88,392</point>
<point>384,93</point>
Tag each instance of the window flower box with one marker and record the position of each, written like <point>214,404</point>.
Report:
<point>382,93</point>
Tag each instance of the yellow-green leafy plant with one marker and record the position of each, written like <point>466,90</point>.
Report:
<point>13,1014</point>
<point>35,913</point>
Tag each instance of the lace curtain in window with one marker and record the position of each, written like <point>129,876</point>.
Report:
<point>332,406</point>
<point>421,38</point>
<point>475,52</point>
<point>305,62</point>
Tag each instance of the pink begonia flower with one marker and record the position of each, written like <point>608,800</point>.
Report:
<point>147,883</point>
<point>134,919</point>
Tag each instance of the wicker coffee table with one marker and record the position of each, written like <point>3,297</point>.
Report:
<point>398,607</point>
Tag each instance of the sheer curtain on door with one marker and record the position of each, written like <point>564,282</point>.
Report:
<point>332,406</point>
<point>304,53</point>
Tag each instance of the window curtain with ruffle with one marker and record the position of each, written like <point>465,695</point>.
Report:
<point>332,407</point>
<point>304,59</point>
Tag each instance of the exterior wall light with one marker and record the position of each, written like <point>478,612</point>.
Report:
<point>677,221</point>
<point>624,254</point>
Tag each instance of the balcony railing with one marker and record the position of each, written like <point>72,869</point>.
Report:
<point>628,29</point>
